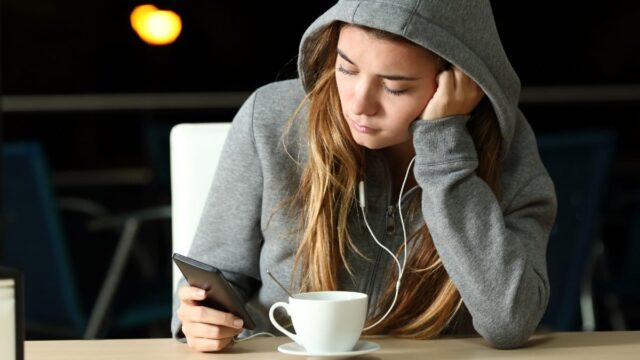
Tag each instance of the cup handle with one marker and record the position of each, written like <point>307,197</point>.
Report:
<point>293,337</point>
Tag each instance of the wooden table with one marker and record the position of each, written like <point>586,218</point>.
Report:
<point>594,345</point>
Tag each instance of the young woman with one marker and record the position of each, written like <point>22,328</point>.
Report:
<point>416,100</point>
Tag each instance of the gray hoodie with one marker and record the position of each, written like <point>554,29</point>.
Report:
<point>493,249</point>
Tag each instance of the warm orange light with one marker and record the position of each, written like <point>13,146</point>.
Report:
<point>155,27</point>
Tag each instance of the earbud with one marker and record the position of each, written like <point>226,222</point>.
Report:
<point>361,191</point>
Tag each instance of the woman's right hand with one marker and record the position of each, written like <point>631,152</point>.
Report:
<point>456,94</point>
<point>206,329</point>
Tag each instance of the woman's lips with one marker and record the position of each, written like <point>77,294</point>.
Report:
<point>363,129</point>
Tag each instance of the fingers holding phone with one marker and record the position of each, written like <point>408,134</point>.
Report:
<point>211,311</point>
<point>191,310</point>
<point>205,329</point>
<point>191,294</point>
<point>456,94</point>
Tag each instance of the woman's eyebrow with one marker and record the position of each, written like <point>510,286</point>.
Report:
<point>388,77</point>
<point>345,57</point>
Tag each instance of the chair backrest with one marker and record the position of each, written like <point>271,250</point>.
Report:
<point>35,244</point>
<point>579,164</point>
<point>195,150</point>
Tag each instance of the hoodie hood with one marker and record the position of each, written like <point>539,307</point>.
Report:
<point>461,31</point>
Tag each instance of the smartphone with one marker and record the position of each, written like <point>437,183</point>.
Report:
<point>220,294</point>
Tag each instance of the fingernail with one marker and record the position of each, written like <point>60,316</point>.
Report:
<point>237,323</point>
<point>200,293</point>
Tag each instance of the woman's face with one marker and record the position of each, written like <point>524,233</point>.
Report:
<point>383,86</point>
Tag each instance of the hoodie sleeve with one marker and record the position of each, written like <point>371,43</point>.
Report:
<point>229,235</point>
<point>495,256</point>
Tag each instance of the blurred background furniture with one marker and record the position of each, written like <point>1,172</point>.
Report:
<point>579,164</point>
<point>145,302</point>
<point>616,277</point>
<point>36,243</point>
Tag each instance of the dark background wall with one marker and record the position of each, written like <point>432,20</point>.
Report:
<point>64,46</point>
<point>578,64</point>
<point>70,47</point>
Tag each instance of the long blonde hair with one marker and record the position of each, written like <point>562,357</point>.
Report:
<point>428,299</point>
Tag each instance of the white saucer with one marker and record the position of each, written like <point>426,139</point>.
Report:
<point>360,348</point>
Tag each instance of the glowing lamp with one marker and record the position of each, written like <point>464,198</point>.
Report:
<point>155,27</point>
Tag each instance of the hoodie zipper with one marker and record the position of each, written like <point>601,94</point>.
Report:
<point>372,277</point>
<point>390,218</point>
<point>390,227</point>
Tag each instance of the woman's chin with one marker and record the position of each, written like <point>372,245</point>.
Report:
<point>371,145</point>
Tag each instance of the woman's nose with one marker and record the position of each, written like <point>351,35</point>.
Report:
<point>364,101</point>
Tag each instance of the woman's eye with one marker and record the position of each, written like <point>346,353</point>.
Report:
<point>393,92</point>
<point>345,71</point>
<point>386,89</point>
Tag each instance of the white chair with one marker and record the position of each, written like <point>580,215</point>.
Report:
<point>195,150</point>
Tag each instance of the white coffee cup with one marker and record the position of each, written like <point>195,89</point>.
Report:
<point>325,321</point>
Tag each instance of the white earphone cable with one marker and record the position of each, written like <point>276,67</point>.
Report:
<point>237,340</point>
<point>382,246</point>
<point>404,231</point>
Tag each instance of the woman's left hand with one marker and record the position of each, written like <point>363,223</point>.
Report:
<point>457,94</point>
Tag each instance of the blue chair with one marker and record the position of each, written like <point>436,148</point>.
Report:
<point>35,243</point>
<point>579,164</point>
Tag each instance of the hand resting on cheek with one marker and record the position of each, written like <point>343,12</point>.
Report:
<point>456,94</point>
